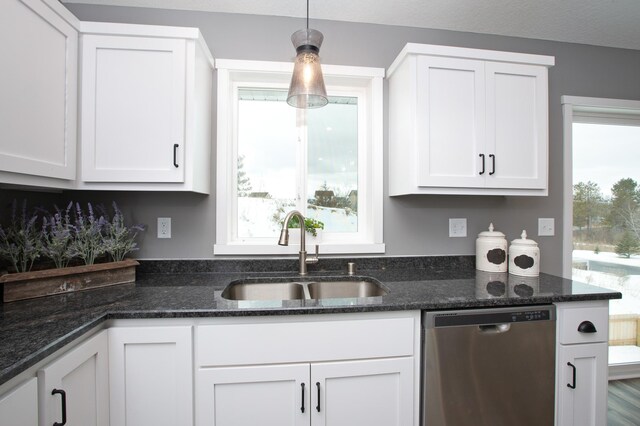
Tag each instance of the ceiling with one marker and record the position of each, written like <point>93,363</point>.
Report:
<point>614,23</point>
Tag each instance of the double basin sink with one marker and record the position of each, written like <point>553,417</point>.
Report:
<point>297,289</point>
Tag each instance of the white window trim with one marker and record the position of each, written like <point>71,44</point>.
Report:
<point>233,72</point>
<point>586,110</point>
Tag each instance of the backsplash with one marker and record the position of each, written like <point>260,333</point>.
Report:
<point>432,264</point>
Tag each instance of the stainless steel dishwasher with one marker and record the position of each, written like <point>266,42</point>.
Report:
<point>489,367</point>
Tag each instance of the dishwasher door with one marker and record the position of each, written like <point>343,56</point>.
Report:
<point>489,367</point>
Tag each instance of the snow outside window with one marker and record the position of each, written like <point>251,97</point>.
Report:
<point>272,158</point>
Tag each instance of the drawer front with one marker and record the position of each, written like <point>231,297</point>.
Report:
<point>303,341</point>
<point>570,319</point>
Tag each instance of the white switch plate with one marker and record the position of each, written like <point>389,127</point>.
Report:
<point>546,227</point>
<point>164,227</point>
<point>457,227</point>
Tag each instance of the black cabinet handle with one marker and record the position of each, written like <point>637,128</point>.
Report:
<point>302,407</point>
<point>175,154</point>
<point>587,327</point>
<point>63,394</point>
<point>318,406</point>
<point>572,386</point>
<point>482,156</point>
<point>493,164</point>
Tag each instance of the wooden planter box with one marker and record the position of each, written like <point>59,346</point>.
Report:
<point>29,285</point>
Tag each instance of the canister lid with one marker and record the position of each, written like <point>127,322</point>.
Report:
<point>524,241</point>
<point>491,233</point>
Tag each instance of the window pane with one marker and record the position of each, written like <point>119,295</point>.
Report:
<point>267,144</point>
<point>332,164</point>
<point>606,225</point>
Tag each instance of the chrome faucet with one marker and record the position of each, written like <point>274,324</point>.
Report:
<point>284,241</point>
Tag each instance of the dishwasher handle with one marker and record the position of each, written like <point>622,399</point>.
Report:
<point>494,328</point>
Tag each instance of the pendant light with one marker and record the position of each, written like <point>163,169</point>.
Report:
<point>307,85</point>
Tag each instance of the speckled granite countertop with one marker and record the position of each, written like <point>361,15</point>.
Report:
<point>33,329</point>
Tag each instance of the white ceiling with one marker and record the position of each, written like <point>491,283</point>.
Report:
<point>614,23</point>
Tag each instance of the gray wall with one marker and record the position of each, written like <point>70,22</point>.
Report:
<point>413,225</point>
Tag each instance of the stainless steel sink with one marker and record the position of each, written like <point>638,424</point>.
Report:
<point>288,289</point>
<point>264,291</point>
<point>345,289</point>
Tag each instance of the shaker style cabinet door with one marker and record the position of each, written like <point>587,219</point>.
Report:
<point>133,109</point>
<point>582,384</point>
<point>151,376</point>
<point>517,123</point>
<point>450,122</point>
<point>38,90</point>
<point>20,405</point>
<point>268,395</point>
<point>75,387</point>
<point>376,392</point>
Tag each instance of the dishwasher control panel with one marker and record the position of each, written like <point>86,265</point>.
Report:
<point>490,316</point>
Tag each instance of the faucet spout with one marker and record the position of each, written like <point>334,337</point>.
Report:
<point>284,240</point>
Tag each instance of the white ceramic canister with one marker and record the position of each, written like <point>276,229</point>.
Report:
<point>491,251</point>
<point>524,257</point>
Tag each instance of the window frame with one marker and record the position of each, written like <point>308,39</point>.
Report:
<point>367,83</point>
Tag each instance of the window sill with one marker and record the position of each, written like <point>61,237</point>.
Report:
<point>274,249</point>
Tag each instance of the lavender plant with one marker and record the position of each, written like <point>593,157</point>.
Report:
<point>57,236</point>
<point>119,238</point>
<point>88,240</point>
<point>21,240</point>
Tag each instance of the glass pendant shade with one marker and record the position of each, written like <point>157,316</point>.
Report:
<point>307,85</point>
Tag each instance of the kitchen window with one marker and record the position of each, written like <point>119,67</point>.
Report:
<point>272,158</point>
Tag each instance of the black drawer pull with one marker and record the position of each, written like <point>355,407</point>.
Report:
<point>63,394</point>
<point>587,327</point>
<point>175,154</point>
<point>302,407</point>
<point>493,162</point>
<point>572,386</point>
<point>482,156</point>
<point>318,406</point>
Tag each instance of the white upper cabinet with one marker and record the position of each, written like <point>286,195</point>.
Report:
<point>467,121</point>
<point>38,105</point>
<point>146,108</point>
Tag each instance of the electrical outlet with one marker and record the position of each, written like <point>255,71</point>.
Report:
<point>546,227</point>
<point>164,227</point>
<point>457,227</point>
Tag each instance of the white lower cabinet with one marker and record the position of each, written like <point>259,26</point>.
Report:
<point>377,392</point>
<point>20,406</point>
<point>582,364</point>
<point>338,370</point>
<point>75,387</point>
<point>254,395</point>
<point>374,392</point>
<point>151,376</point>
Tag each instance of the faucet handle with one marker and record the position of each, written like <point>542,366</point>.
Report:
<point>313,259</point>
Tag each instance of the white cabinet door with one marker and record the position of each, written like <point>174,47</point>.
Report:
<point>133,109</point>
<point>517,122</point>
<point>270,395</point>
<point>369,392</point>
<point>450,122</point>
<point>19,407</point>
<point>582,384</point>
<point>151,376</point>
<point>78,379</point>
<point>38,101</point>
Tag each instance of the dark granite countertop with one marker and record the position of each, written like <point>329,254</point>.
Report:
<point>33,329</point>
